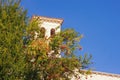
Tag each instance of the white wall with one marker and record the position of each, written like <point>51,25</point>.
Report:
<point>48,26</point>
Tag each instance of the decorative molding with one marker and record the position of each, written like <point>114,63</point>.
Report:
<point>48,19</point>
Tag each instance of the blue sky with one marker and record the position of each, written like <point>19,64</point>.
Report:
<point>97,20</point>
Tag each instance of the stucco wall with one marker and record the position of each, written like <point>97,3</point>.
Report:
<point>49,25</point>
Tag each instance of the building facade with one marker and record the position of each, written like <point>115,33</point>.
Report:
<point>50,25</point>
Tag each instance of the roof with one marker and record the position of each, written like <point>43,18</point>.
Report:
<point>48,19</point>
<point>106,74</point>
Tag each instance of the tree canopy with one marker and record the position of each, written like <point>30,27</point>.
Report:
<point>12,25</point>
<point>23,57</point>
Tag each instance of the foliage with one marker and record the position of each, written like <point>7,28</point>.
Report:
<point>25,54</point>
<point>12,25</point>
<point>44,56</point>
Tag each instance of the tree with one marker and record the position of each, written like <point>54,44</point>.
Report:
<point>24,57</point>
<point>13,22</point>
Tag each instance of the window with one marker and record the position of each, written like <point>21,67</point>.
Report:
<point>42,32</point>
<point>52,32</point>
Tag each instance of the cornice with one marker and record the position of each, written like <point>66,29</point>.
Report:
<point>48,19</point>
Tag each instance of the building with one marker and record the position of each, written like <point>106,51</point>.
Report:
<point>50,25</point>
<point>53,25</point>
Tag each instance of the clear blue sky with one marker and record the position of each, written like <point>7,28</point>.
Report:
<point>97,20</point>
